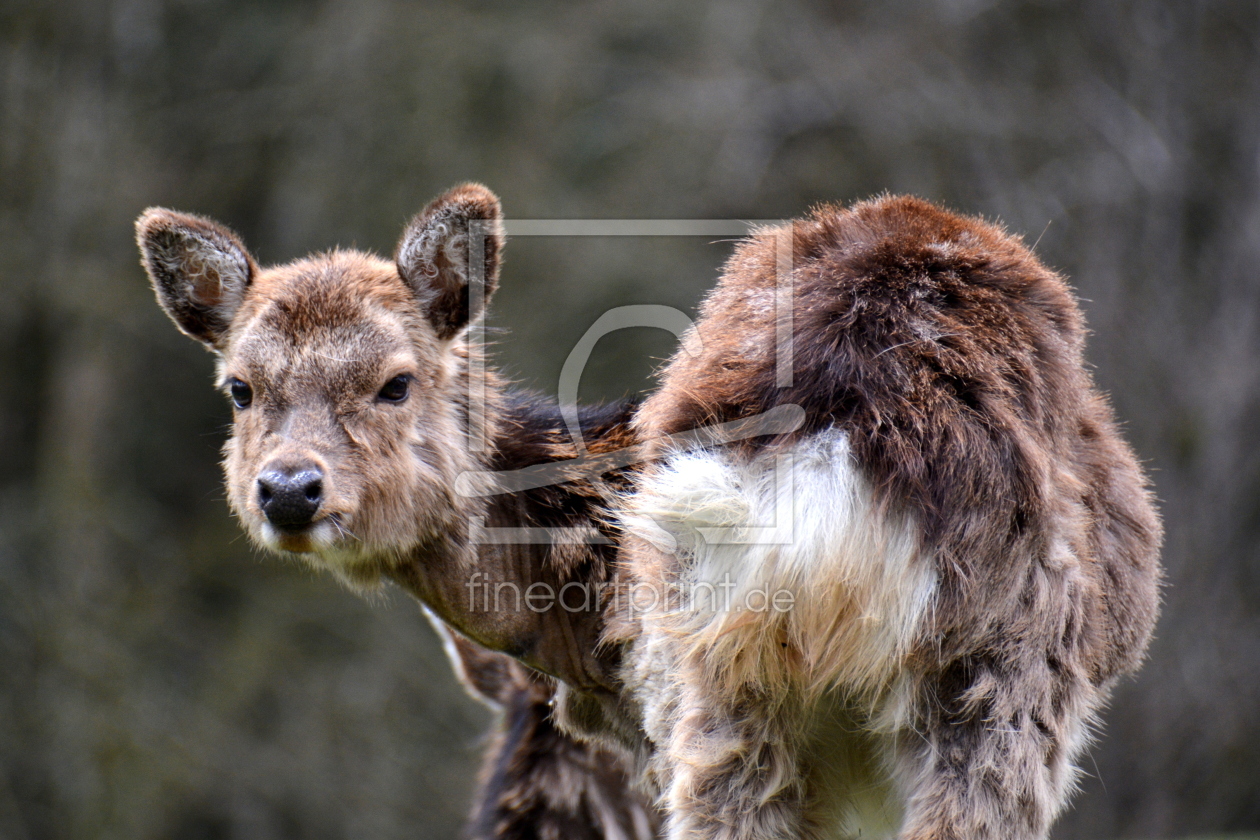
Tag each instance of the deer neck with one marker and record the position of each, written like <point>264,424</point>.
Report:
<point>527,566</point>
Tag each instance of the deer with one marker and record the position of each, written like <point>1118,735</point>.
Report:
<point>902,615</point>
<point>353,382</point>
<point>872,567</point>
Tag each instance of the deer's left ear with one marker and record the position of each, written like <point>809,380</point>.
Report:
<point>450,253</point>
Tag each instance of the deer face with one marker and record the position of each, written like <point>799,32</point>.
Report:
<point>348,376</point>
<point>345,410</point>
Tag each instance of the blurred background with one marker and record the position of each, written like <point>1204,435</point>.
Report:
<point>158,679</point>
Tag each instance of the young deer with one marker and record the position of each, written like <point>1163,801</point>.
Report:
<point>902,617</point>
<point>359,403</point>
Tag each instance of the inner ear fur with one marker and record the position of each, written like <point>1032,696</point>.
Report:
<point>200,270</point>
<point>437,256</point>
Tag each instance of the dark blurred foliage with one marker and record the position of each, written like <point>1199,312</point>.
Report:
<point>158,679</point>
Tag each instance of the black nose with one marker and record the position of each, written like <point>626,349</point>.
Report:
<point>290,498</point>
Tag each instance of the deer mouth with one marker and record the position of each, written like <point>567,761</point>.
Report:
<point>296,540</point>
<point>319,535</point>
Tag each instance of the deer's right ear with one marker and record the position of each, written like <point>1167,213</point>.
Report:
<point>450,253</point>
<point>199,270</point>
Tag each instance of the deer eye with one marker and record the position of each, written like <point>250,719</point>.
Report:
<point>395,390</point>
<point>242,394</point>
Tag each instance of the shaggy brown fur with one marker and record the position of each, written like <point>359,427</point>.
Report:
<point>974,561</point>
<point>356,393</point>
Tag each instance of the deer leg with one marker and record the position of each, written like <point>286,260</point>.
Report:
<point>538,782</point>
<point>727,766</point>
<point>993,757</point>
